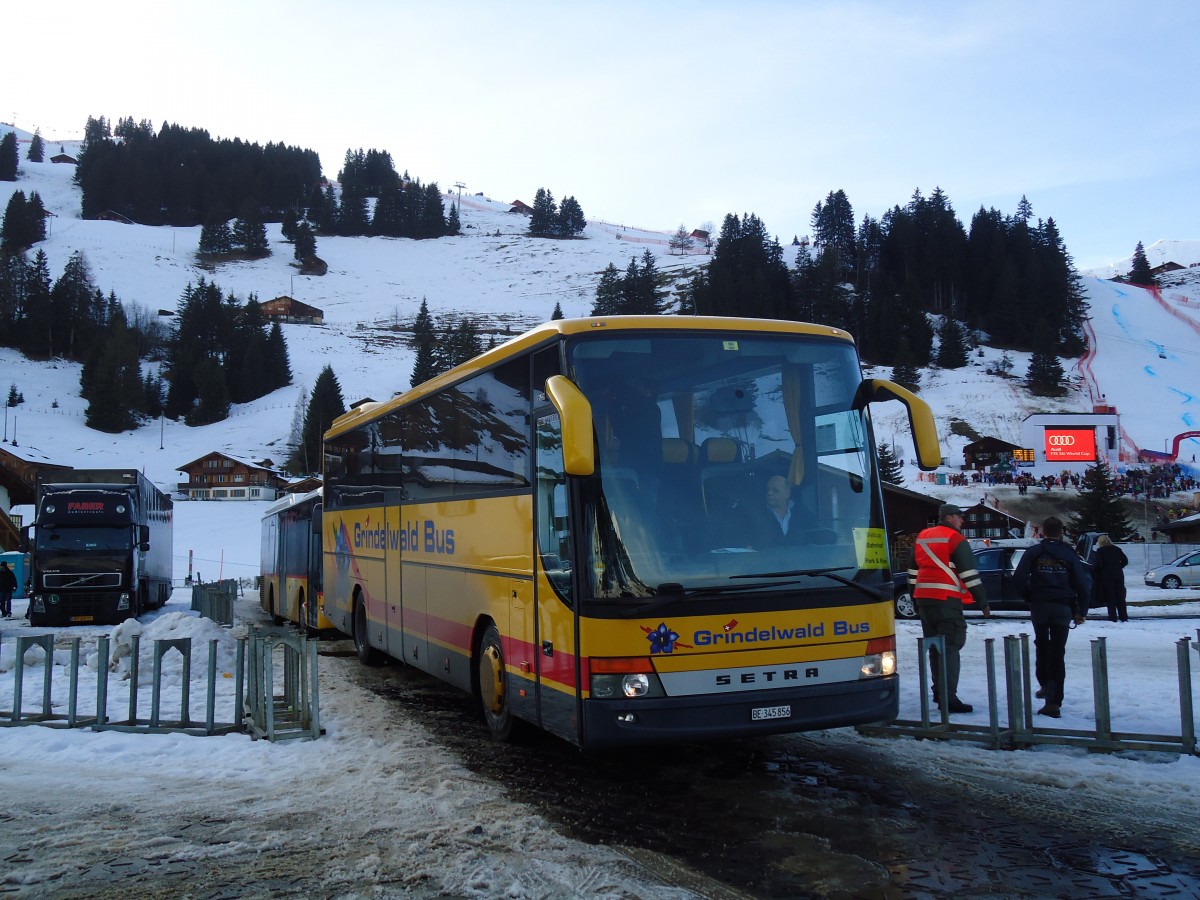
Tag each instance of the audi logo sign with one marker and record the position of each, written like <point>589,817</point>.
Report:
<point>1070,445</point>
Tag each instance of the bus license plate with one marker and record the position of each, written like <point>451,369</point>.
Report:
<point>83,618</point>
<point>770,712</point>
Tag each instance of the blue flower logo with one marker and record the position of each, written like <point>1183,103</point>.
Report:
<point>662,639</point>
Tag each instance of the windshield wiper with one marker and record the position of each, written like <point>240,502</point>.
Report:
<point>670,592</point>
<point>827,572</point>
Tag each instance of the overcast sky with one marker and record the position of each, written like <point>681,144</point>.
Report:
<point>664,113</point>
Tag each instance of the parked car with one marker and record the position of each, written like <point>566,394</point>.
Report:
<point>1184,571</point>
<point>996,566</point>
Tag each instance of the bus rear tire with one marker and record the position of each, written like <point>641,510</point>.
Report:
<point>492,681</point>
<point>367,655</point>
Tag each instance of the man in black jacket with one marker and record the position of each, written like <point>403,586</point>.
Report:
<point>8,585</point>
<point>1052,579</point>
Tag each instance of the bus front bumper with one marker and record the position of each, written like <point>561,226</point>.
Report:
<point>615,723</point>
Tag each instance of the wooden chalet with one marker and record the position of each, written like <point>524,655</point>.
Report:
<point>1181,531</point>
<point>64,158</point>
<point>983,521</point>
<point>520,207</point>
<point>988,451</point>
<point>18,487</point>
<point>293,312</point>
<point>219,476</point>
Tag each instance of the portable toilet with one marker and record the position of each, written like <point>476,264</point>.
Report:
<point>16,562</point>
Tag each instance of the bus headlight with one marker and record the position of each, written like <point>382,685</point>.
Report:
<point>635,685</point>
<point>614,679</point>
<point>879,664</point>
<point>880,658</point>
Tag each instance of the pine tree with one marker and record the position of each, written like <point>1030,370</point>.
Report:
<point>1045,375</point>
<point>1139,272</point>
<point>681,240</point>
<point>1099,507</point>
<point>608,292</point>
<point>305,243</point>
<point>453,225</point>
<point>279,366</point>
<point>111,379</point>
<point>324,405</point>
<point>249,232</point>
<point>289,223</point>
<point>37,147</point>
<point>952,348</point>
<point>296,432</point>
<point>891,469</point>
<point>463,344</point>
<point>212,394</point>
<point>557,314</point>
<point>425,341</point>
<point>216,237</point>
<point>8,157</point>
<point>544,219</point>
<point>14,233</point>
<point>905,373</point>
<point>571,221</point>
<point>352,217</point>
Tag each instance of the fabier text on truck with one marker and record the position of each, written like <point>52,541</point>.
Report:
<point>100,547</point>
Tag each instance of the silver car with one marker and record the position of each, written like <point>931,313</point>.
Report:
<point>1183,572</point>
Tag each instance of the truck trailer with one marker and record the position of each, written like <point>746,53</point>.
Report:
<point>100,547</point>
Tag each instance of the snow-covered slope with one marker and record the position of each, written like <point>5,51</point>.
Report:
<point>507,282</point>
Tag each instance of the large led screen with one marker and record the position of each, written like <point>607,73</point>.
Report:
<point>1070,445</point>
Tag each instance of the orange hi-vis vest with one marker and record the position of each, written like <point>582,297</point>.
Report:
<point>937,578</point>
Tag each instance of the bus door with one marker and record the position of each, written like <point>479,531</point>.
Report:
<point>556,651</point>
<point>314,598</point>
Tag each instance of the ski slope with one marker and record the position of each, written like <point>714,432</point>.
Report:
<point>1144,360</point>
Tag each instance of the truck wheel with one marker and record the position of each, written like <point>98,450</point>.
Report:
<point>367,655</point>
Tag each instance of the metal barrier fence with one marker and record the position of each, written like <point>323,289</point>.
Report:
<point>296,712</point>
<point>1018,730</point>
<point>257,709</point>
<point>215,600</point>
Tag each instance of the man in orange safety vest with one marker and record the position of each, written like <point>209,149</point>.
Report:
<point>942,579</point>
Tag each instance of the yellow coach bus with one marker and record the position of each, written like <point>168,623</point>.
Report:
<point>571,526</point>
<point>290,583</point>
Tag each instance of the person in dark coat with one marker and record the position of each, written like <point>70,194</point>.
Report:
<point>1108,578</point>
<point>1053,580</point>
<point>8,586</point>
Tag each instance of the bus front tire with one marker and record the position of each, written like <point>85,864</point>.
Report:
<point>493,685</point>
<point>367,655</point>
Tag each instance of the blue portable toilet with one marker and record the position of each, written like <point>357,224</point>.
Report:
<point>16,562</point>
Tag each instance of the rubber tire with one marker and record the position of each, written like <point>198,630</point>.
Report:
<point>1172,583</point>
<point>492,681</point>
<point>367,655</point>
<point>905,607</point>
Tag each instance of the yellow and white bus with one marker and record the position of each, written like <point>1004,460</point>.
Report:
<point>290,583</point>
<point>562,526</point>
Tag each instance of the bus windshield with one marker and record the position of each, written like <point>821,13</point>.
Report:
<point>727,460</point>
